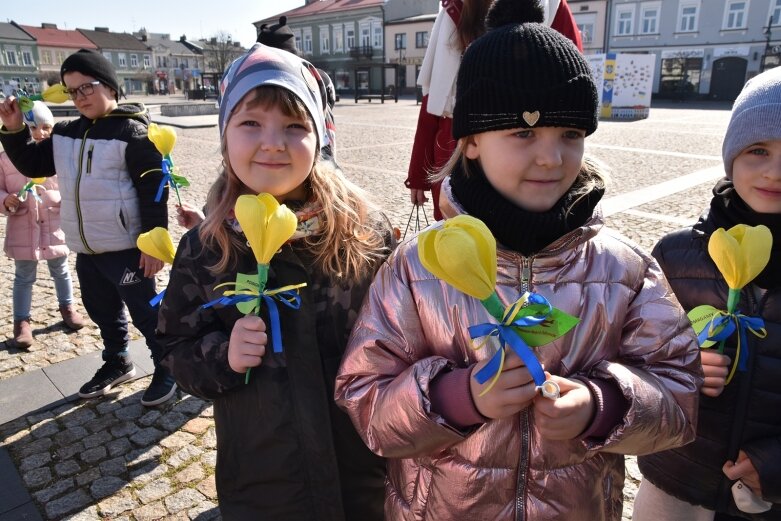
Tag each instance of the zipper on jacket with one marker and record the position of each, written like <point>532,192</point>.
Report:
<point>79,217</point>
<point>89,158</point>
<point>526,273</point>
<point>523,467</point>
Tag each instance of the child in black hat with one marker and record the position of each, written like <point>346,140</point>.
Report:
<point>628,371</point>
<point>109,173</point>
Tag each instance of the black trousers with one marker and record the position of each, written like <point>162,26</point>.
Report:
<point>109,280</point>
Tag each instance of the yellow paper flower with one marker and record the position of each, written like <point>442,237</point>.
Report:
<point>55,94</point>
<point>462,253</point>
<point>158,244</point>
<point>266,224</point>
<point>740,253</point>
<point>38,180</point>
<point>163,137</point>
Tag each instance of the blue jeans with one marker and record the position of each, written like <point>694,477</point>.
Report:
<point>25,276</point>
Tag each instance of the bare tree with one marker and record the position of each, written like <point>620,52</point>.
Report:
<point>219,51</point>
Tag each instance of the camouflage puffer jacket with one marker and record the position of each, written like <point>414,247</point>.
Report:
<point>284,450</point>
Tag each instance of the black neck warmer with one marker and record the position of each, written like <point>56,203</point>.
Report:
<point>727,209</point>
<point>515,228</point>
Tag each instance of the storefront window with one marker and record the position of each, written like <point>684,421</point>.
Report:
<point>680,77</point>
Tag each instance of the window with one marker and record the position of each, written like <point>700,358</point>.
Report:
<point>107,55</point>
<point>10,57</point>
<point>400,40</point>
<point>350,38</point>
<point>46,58</point>
<point>586,32</point>
<point>421,39</point>
<point>338,38</point>
<point>122,59</point>
<point>186,63</point>
<point>175,62</point>
<point>307,40</point>
<point>377,40</point>
<point>299,42</point>
<point>27,58</point>
<point>147,60</point>
<point>325,40</point>
<point>159,62</point>
<point>688,17</point>
<point>60,58</point>
<point>134,60</point>
<point>650,18</point>
<point>775,12</point>
<point>624,20</point>
<point>365,41</point>
<point>735,14</point>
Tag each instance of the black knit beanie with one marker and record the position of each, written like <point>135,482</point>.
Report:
<point>92,63</point>
<point>522,74</point>
<point>278,35</point>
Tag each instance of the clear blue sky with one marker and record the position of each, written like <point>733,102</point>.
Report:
<point>194,18</point>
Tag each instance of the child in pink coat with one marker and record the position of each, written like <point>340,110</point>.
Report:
<point>32,234</point>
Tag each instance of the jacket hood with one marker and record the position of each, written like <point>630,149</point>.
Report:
<point>135,111</point>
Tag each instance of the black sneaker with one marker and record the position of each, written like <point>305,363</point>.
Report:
<point>112,373</point>
<point>160,390</point>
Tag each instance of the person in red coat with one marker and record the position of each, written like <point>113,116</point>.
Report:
<point>457,25</point>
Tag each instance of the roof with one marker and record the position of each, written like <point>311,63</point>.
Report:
<point>50,36</point>
<point>9,31</point>
<point>118,41</point>
<point>413,19</point>
<point>324,7</point>
<point>173,46</point>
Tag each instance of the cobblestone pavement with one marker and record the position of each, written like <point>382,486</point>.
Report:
<point>111,458</point>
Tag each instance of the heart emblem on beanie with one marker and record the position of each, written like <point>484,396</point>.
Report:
<point>531,118</point>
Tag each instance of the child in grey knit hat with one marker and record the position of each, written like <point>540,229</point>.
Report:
<point>731,470</point>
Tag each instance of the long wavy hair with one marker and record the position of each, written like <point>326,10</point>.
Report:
<point>471,24</point>
<point>593,173</point>
<point>349,245</point>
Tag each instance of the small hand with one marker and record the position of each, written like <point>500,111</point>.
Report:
<point>247,343</point>
<point>11,203</point>
<point>512,392</point>
<point>418,197</point>
<point>567,416</point>
<point>188,216</point>
<point>715,367</point>
<point>743,469</point>
<point>150,265</point>
<point>11,114</point>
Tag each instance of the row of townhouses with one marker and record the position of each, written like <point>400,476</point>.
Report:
<point>146,63</point>
<point>703,48</point>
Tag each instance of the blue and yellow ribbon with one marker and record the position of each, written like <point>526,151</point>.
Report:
<point>722,325</point>
<point>286,295</point>
<point>29,188</point>
<point>506,333</point>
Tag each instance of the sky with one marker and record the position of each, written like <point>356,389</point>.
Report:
<point>194,18</point>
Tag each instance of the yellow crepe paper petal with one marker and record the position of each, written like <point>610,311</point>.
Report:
<point>55,94</point>
<point>266,224</point>
<point>163,137</point>
<point>158,244</point>
<point>38,180</point>
<point>740,253</point>
<point>462,253</point>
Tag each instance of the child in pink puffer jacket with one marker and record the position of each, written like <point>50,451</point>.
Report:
<point>32,234</point>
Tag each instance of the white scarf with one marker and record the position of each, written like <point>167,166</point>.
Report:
<point>439,69</point>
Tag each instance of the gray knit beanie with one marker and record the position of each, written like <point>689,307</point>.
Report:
<point>756,116</point>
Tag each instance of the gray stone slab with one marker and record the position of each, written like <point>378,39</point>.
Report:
<point>25,393</point>
<point>69,375</point>
<point>187,121</point>
<point>13,493</point>
<point>26,512</point>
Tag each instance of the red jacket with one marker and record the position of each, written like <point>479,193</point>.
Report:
<point>434,143</point>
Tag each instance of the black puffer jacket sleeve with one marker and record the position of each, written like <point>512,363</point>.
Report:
<point>30,158</point>
<point>194,340</point>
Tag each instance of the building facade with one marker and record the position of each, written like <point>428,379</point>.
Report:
<point>405,43</point>
<point>705,49</point>
<point>131,58</point>
<point>18,60</point>
<point>54,45</point>
<point>347,39</point>
<point>591,18</point>
<point>177,67</point>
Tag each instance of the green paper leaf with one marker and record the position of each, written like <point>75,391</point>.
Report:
<point>555,326</point>
<point>700,317</point>
<point>244,281</point>
<point>26,104</point>
<point>180,180</point>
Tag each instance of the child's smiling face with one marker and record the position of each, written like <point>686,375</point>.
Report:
<point>270,151</point>
<point>531,167</point>
<point>756,174</point>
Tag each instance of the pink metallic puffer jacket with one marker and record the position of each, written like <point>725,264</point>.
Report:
<point>413,327</point>
<point>32,232</point>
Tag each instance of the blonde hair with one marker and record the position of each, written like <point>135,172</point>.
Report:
<point>593,174</point>
<point>349,244</point>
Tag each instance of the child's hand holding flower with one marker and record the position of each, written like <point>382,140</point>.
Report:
<point>247,343</point>
<point>568,416</point>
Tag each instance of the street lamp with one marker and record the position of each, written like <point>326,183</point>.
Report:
<point>768,34</point>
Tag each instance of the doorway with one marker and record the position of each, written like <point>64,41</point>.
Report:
<point>729,75</point>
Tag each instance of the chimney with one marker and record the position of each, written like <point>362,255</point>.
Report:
<point>102,29</point>
<point>48,26</point>
<point>213,41</point>
<point>183,38</point>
